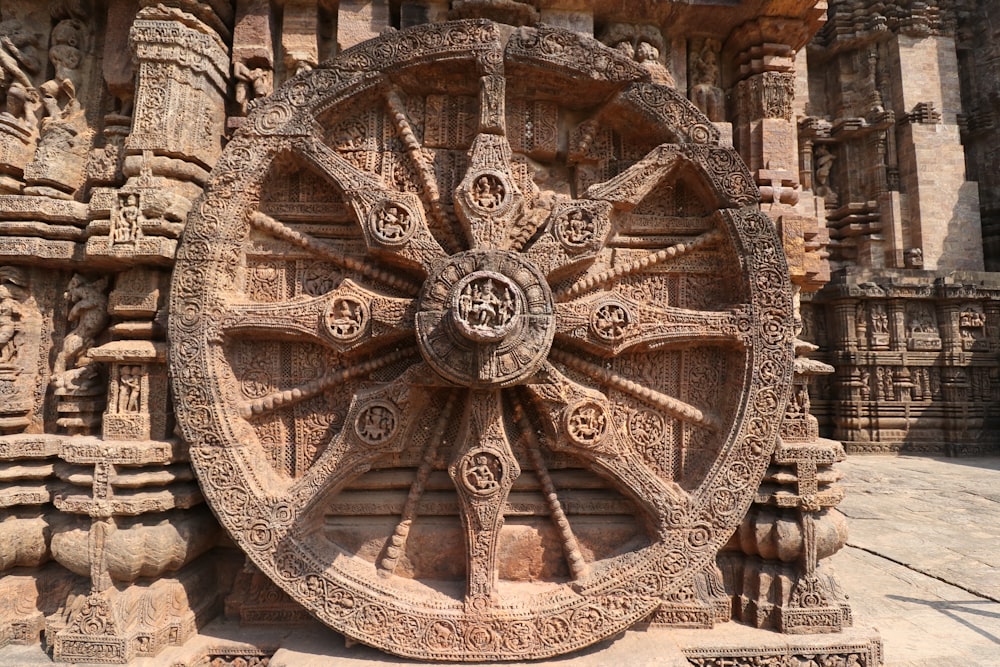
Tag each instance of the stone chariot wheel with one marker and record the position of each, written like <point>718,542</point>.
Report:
<point>480,342</point>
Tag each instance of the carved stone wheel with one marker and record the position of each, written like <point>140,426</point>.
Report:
<point>480,342</point>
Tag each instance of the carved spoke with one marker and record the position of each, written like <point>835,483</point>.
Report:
<point>424,169</point>
<point>347,319</point>
<point>675,407</point>
<point>579,421</point>
<point>376,425</point>
<point>630,187</point>
<point>609,324</point>
<point>483,469</point>
<point>571,548</point>
<point>487,200</point>
<point>392,222</point>
<point>610,276</point>
<point>396,545</point>
<point>331,253</point>
<point>288,397</point>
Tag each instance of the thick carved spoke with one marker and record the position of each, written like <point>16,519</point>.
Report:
<point>377,424</point>
<point>608,324</point>
<point>672,406</point>
<point>630,187</point>
<point>575,233</point>
<point>605,278</point>
<point>288,397</point>
<point>331,253</point>
<point>579,420</point>
<point>487,200</point>
<point>483,469</point>
<point>396,545</point>
<point>392,222</point>
<point>350,318</point>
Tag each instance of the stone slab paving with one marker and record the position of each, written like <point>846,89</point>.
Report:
<point>922,563</point>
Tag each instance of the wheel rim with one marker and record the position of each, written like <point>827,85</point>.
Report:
<point>485,327</point>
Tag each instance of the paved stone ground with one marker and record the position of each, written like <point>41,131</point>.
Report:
<point>922,563</point>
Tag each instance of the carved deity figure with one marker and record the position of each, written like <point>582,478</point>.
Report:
<point>706,79</point>
<point>12,313</point>
<point>89,314</point>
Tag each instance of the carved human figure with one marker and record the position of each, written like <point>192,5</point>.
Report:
<point>706,93</point>
<point>12,313</point>
<point>392,223</point>
<point>127,226</point>
<point>480,476</point>
<point>866,385</point>
<point>879,319</point>
<point>642,43</point>
<point>89,314</point>
<point>252,83</point>
<point>347,319</point>
<point>19,61</point>
<point>66,54</point>
<point>487,192</point>
<point>647,54</point>
<point>823,161</point>
<point>129,388</point>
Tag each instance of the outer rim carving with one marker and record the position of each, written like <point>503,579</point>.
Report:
<point>364,607</point>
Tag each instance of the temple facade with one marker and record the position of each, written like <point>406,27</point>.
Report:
<point>478,330</point>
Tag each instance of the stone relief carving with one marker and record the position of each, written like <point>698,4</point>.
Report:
<point>706,79</point>
<point>455,297</point>
<point>487,335</point>
<point>88,314</point>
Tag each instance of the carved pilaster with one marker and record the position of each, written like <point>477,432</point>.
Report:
<point>179,113</point>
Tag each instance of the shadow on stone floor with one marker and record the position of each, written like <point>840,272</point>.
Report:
<point>952,610</point>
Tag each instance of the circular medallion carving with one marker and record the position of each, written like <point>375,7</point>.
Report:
<point>610,321</point>
<point>376,422</point>
<point>347,319</point>
<point>586,423</point>
<point>478,345</point>
<point>485,306</point>
<point>489,192</point>
<point>575,230</point>
<point>481,472</point>
<point>486,319</point>
<point>391,223</point>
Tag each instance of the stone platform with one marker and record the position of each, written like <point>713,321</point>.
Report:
<point>922,567</point>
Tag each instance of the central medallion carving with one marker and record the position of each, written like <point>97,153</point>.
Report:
<point>486,319</point>
<point>485,306</point>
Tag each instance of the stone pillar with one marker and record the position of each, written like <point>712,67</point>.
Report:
<point>943,207</point>
<point>358,20</point>
<point>179,114</point>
